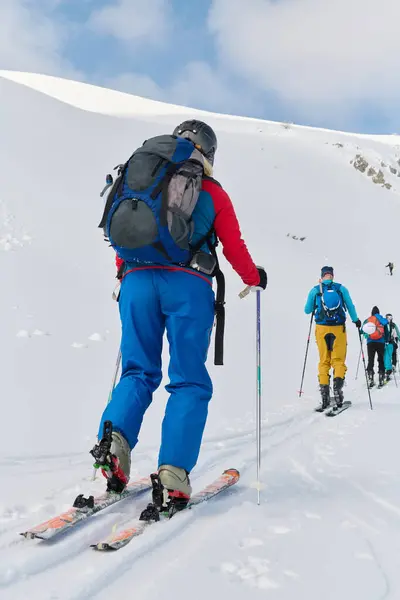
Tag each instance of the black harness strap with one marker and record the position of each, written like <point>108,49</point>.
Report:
<point>219,306</point>
<point>220,319</point>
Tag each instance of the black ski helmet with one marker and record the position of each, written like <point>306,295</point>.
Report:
<point>201,134</point>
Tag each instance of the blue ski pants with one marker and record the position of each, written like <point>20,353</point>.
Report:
<point>388,357</point>
<point>151,302</point>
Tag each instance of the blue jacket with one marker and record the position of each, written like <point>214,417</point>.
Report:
<point>383,322</point>
<point>312,302</point>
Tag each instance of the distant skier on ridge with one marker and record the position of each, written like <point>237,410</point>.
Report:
<point>329,301</point>
<point>163,219</point>
<point>391,267</point>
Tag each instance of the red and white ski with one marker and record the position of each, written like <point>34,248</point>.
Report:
<point>119,539</point>
<point>55,526</point>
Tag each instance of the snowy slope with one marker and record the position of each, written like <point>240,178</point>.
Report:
<point>329,521</point>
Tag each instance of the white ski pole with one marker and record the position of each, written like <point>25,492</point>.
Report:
<point>242,295</point>
<point>113,384</point>
<point>115,376</point>
<point>258,399</point>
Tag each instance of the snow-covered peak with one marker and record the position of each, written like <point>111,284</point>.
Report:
<point>111,102</point>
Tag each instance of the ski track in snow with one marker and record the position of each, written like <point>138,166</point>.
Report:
<point>279,440</point>
<point>75,542</point>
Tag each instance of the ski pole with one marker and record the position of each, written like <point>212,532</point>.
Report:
<point>258,398</point>
<point>113,384</point>
<point>365,370</point>
<point>242,295</point>
<point>358,364</point>
<point>115,376</point>
<point>395,378</point>
<point>305,358</point>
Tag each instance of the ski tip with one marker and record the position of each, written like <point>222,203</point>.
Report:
<point>233,472</point>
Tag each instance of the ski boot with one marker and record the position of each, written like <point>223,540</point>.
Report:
<point>371,381</point>
<point>381,380</point>
<point>325,396</point>
<point>338,391</point>
<point>113,456</point>
<point>388,376</point>
<point>171,493</point>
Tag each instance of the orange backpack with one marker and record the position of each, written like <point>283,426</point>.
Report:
<point>379,328</point>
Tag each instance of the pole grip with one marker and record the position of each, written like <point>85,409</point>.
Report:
<point>245,292</point>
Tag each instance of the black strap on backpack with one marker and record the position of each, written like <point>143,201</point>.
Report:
<point>220,318</point>
<point>212,242</point>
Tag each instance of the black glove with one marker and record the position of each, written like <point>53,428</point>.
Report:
<point>263,278</point>
<point>357,323</point>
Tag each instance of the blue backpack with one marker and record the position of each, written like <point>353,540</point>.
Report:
<point>148,214</point>
<point>330,308</point>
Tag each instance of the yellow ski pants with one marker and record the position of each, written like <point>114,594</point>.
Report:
<point>332,347</point>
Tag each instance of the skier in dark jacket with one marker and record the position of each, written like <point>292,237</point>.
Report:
<point>178,300</point>
<point>376,333</point>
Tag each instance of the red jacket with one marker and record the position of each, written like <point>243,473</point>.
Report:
<point>228,232</point>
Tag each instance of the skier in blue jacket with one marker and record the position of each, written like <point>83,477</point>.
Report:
<point>330,301</point>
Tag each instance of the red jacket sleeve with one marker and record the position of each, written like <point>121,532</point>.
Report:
<point>228,231</point>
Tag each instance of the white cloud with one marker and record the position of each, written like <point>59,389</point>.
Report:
<point>135,83</point>
<point>133,20</point>
<point>197,85</point>
<point>203,86</point>
<point>315,54</point>
<point>31,40</point>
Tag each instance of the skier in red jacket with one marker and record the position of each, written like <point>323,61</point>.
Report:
<point>179,300</point>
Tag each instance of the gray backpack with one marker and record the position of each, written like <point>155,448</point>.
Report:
<point>148,213</point>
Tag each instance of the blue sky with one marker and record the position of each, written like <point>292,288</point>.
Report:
<point>333,65</point>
